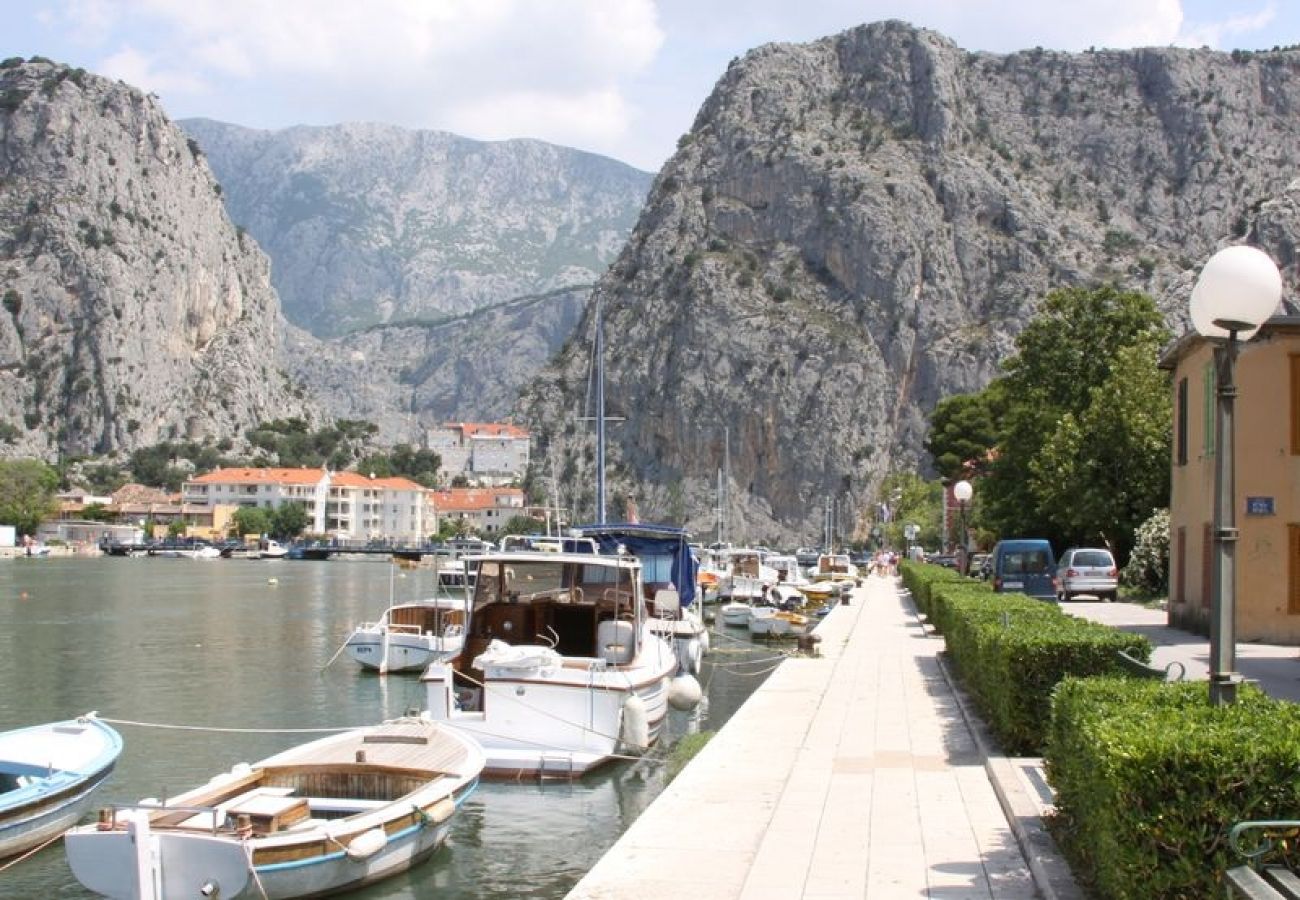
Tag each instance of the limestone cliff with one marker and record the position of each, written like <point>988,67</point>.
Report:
<point>133,310</point>
<point>371,224</point>
<point>859,226</point>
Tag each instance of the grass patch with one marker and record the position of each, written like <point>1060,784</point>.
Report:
<point>684,751</point>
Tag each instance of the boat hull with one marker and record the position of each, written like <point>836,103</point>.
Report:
<point>403,653</point>
<point>53,771</point>
<point>299,824</point>
<point>563,721</point>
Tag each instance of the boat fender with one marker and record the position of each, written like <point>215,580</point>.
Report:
<point>695,653</point>
<point>635,730</point>
<point>367,844</point>
<point>684,692</point>
<point>442,811</point>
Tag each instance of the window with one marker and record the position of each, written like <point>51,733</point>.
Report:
<point>1207,410</point>
<point>1293,565</point>
<point>1295,404</point>
<point>1181,413</point>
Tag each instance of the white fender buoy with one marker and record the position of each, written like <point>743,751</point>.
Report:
<point>684,692</point>
<point>635,731</point>
<point>367,844</point>
<point>441,811</point>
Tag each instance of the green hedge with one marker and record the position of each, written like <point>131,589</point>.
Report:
<point>1011,651</point>
<point>1149,778</point>
<point>918,577</point>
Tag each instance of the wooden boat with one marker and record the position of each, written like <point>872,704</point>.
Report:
<point>772,622</point>
<point>47,776</point>
<point>330,815</point>
<point>561,667</point>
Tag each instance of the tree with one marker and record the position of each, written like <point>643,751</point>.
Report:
<point>251,520</point>
<point>27,488</point>
<point>1063,355</point>
<point>522,525</point>
<point>963,431</point>
<point>920,503</point>
<point>1104,469</point>
<point>403,461</point>
<point>96,512</point>
<point>288,521</point>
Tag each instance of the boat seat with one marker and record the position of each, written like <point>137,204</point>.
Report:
<point>615,639</point>
<point>204,820</point>
<point>667,603</point>
<point>345,805</point>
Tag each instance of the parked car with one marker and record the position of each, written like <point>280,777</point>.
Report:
<point>1026,566</point>
<point>1087,570</point>
<point>947,560</point>
<point>981,565</point>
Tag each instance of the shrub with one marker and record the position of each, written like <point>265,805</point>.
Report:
<point>1149,778</point>
<point>1148,564</point>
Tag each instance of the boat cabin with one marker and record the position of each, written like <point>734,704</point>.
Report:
<point>580,605</point>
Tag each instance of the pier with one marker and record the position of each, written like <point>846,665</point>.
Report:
<point>854,774</point>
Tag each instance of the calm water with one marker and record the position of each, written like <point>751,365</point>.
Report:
<point>216,644</point>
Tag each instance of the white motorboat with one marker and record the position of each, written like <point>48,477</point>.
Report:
<point>561,668</point>
<point>48,774</point>
<point>410,636</point>
<point>456,579</point>
<point>667,561</point>
<point>773,622</point>
<point>327,816</point>
<point>272,549</point>
<point>735,613</point>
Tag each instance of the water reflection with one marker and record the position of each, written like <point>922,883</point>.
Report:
<point>218,644</point>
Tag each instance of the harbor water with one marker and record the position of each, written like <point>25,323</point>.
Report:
<point>244,645</point>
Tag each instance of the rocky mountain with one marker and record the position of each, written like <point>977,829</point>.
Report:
<point>857,227</point>
<point>133,309</point>
<point>407,377</point>
<point>371,224</point>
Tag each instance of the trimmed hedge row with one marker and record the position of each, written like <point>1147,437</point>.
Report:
<point>1149,778</point>
<point>918,577</point>
<point>1012,650</point>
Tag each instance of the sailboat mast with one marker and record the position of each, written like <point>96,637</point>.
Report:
<point>600,412</point>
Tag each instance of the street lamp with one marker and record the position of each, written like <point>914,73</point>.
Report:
<point>963,491</point>
<point>1238,290</point>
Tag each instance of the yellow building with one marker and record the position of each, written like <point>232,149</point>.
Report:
<point>1267,467</point>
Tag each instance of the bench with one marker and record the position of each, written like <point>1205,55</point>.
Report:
<point>1253,881</point>
<point>1175,671</point>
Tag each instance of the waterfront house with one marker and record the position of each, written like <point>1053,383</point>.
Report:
<point>480,510</point>
<point>1267,483</point>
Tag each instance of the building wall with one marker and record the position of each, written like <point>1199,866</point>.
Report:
<point>1266,467</point>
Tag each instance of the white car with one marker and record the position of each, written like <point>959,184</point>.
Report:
<point>1087,570</point>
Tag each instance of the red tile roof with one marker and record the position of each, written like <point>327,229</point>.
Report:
<point>489,429</point>
<point>470,499</point>
<point>260,476</point>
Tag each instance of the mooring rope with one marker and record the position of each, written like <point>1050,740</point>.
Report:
<point>32,852</point>
<point>221,730</point>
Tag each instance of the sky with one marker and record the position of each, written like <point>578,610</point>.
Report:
<point>623,78</point>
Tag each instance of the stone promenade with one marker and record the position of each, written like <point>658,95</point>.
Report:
<point>850,775</point>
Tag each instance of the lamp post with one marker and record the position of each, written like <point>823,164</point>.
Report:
<point>963,491</point>
<point>1237,291</point>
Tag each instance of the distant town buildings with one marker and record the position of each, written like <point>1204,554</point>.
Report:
<point>484,453</point>
<point>483,510</point>
<point>345,505</point>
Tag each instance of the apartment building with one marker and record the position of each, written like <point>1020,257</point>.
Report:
<point>346,505</point>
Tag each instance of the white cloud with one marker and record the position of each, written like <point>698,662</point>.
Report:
<point>597,119</point>
<point>133,67</point>
<point>1215,34</point>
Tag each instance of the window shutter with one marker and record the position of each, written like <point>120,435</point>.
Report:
<point>1293,569</point>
